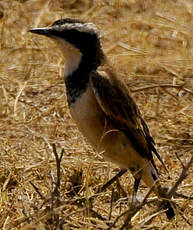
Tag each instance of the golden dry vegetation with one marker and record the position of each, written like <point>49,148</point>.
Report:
<point>150,43</point>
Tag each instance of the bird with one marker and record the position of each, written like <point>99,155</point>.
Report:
<point>102,106</point>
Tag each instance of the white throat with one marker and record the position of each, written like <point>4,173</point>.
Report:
<point>71,54</point>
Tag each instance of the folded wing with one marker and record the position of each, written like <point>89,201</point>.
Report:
<point>117,104</point>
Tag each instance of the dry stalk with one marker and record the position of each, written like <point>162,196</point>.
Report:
<point>54,201</point>
<point>111,205</point>
<point>182,176</point>
<point>56,191</point>
<point>38,191</point>
<point>112,180</point>
<point>131,212</point>
<point>162,86</point>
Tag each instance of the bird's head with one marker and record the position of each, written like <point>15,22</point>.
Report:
<point>78,33</point>
<point>83,36</point>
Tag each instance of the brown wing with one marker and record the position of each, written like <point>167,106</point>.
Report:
<point>117,104</point>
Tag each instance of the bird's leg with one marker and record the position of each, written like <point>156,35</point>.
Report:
<point>112,180</point>
<point>135,189</point>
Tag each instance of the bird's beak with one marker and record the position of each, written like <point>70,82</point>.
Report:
<point>44,31</point>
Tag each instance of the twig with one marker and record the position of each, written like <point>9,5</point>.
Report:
<point>17,222</point>
<point>183,175</point>
<point>177,194</point>
<point>181,212</point>
<point>120,189</point>
<point>177,156</point>
<point>132,211</point>
<point>58,163</point>
<point>165,90</point>
<point>112,180</point>
<point>150,218</point>
<point>37,190</point>
<point>116,220</point>
<point>56,193</point>
<point>111,204</point>
<point>162,86</point>
<point>104,187</point>
<point>157,109</point>
<point>97,215</point>
<point>25,210</point>
<point>147,195</point>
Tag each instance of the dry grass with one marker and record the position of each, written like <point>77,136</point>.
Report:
<point>150,43</point>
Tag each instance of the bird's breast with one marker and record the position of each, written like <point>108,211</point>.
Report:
<point>88,116</point>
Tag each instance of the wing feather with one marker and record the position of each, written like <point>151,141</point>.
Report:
<point>117,104</point>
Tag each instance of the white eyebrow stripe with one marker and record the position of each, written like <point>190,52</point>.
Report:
<point>86,27</point>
